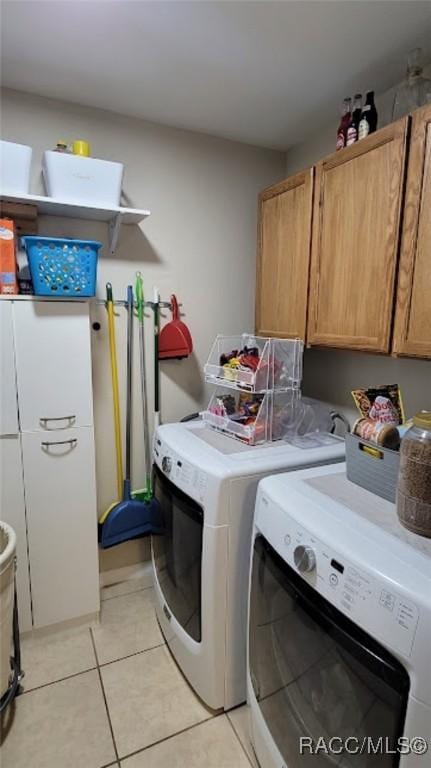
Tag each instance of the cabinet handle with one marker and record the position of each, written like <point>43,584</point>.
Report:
<point>43,420</point>
<point>72,442</point>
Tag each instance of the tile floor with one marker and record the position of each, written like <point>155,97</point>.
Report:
<point>111,695</point>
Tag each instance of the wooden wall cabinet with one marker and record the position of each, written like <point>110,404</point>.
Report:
<point>357,209</point>
<point>284,239</point>
<point>365,215</point>
<point>412,332</point>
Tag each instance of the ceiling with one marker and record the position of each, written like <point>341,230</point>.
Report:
<point>264,73</point>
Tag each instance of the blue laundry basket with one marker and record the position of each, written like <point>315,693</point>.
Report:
<point>62,266</point>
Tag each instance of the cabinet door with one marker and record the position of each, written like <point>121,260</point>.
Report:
<point>60,493</point>
<point>8,402</point>
<point>283,259</point>
<point>53,359</point>
<point>413,310</point>
<point>12,511</point>
<point>358,195</point>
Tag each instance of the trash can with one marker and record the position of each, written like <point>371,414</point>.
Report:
<point>7,594</point>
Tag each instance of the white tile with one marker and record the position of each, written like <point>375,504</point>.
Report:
<point>148,700</point>
<point>123,588</point>
<point>63,725</point>
<point>212,744</point>
<point>128,625</point>
<point>46,658</point>
<point>240,719</point>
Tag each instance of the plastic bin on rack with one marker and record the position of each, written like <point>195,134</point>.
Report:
<point>269,414</point>
<point>279,363</point>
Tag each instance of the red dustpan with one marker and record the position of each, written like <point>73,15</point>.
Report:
<point>175,340</point>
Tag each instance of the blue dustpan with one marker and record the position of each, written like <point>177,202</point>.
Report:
<point>130,519</point>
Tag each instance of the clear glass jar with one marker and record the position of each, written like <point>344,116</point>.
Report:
<point>415,90</point>
<point>414,479</point>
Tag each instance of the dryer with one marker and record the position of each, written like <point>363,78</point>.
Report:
<point>339,640</point>
<point>205,483</point>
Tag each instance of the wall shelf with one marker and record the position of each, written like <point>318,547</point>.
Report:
<point>115,216</point>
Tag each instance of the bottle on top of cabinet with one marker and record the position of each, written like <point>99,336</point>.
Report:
<point>353,127</point>
<point>346,113</point>
<point>368,121</point>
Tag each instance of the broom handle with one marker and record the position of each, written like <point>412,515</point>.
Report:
<point>140,302</point>
<point>129,383</point>
<point>156,360</point>
<point>115,390</point>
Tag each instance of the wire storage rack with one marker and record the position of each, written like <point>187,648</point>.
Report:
<point>255,363</point>
<point>266,375</point>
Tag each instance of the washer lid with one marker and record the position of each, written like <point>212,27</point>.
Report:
<point>362,525</point>
<point>223,456</point>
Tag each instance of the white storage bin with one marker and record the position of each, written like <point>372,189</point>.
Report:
<point>15,163</point>
<point>76,179</point>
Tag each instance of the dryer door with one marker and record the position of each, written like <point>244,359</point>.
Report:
<point>317,676</point>
<point>177,554</point>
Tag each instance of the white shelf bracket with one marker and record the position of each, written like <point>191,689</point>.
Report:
<point>114,232</point>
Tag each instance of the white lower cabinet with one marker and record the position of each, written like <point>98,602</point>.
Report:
<point>60,490</point>
<point>12,511</point>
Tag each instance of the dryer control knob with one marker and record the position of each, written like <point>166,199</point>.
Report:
<point>166,464</point>
<point>305,559</point>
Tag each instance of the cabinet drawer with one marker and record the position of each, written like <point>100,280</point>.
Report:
<point>8,404</point>
<point>12,511</point>
<point>53,360</point>
<point>59,475</point>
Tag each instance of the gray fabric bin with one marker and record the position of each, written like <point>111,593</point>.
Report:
<point>375,469</point>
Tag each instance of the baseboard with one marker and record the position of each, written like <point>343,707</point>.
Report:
<point>127,572</point>
<point>89,620</point>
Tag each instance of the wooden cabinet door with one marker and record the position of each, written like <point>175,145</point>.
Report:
<point>358,195</point>
<point>60,491</point>
<point>53,361</point>
<point>283,259</point>
<point>412,334</point>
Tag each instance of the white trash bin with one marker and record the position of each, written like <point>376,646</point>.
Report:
<point>7,591</point>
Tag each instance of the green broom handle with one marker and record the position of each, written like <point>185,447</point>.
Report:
<point>139,291</point>
<point>156,355</point>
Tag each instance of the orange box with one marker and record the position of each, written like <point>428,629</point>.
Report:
<point>8,266</point>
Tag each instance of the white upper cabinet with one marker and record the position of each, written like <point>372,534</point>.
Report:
<point>8,404</point>
<point>53,362</point>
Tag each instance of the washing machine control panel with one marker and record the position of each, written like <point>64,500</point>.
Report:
<point>304,558</point>
<point>188,478</point>
<point>372,602</point>
<point>167,464</point>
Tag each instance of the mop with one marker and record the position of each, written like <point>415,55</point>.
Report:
<point>130,518</point>
<point>146,493</point>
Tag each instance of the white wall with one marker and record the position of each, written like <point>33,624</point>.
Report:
<point>199,242</point>
<point>331,374</point>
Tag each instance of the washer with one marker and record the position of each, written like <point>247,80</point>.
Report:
<point>206,485</point>
<point>339,626</point>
